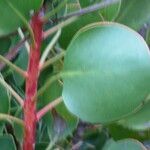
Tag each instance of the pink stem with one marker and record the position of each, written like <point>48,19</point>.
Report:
<point>31,85</point>
<point>48,107</point>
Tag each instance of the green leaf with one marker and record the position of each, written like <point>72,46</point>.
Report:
<point>7,14</point>
<point>110,12</point>
<point>5,43</point>
<point>86,3</point>
<point>41,146</point>
<point>119,132</point>
<point>61,123</point>
<point>70,120</point>
<point>134,13</point>
<point>18,131</point>
<point>17,128</point>
<point>127,144</point>
<point>22,62</point>
<point>69,31</point>
<point>94,137</point>
<point>7,142</point>
<point>106,73</point>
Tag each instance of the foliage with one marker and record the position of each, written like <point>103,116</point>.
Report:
<point>76,73</point>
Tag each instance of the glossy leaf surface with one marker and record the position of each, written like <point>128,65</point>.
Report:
<point>106,73</point>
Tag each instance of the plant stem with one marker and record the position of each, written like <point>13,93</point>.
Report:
<point>57,27</point>
<point>50,46</point>
<point>54,11</point>
<point>48,107</point>
<point>52,143</point>
<point>10,89</point>
<point>89,9</point>
<point>11,118</point>
<point>22,37</point>
<point>48,82</point>
<point>13,51</point>
<point>52,60</point>
<point>31,85</point>
<point>14,67</point>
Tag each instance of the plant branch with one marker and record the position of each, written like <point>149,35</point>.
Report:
<point>89,9</point>
<point>10,118</point>
<point>32,84</point>
<point>13,52</point>
<point>14,67</point>
<point>22,37</point>
<point>49,47</point>
<point>8,87</point>
<point>53,60</point>
<point>54,11</point>
<point>57,27</point>
<point>44,87</point>
<point>48,107</point>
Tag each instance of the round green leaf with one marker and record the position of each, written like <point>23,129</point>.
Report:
<point>10,21</point>
<point>106,72</point>
<point>127,144</point>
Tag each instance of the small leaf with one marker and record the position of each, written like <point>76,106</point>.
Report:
<point>127,144</point>
<point>134,13</point>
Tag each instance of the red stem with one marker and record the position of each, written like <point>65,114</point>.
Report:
<point>48,107</point>
<point>31,85</point>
